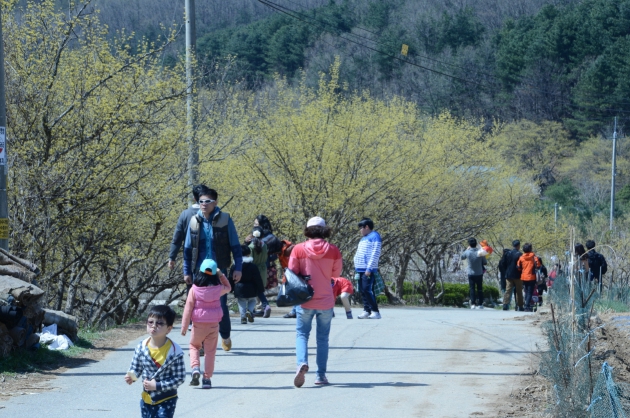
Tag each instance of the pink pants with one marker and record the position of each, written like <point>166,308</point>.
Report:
<point>208,334</point>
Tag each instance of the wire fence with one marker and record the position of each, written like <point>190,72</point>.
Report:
<point>609,399</point>
<point>581,386</point>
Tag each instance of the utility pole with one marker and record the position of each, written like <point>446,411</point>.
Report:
<point>614,169</point>
<point>191,117</point>
<point>4,205</point>
<point>555,213</point>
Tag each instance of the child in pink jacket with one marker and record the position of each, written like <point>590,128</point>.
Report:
<point>204,308</point>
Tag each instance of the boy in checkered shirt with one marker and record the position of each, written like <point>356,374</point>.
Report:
<point>159,362</point>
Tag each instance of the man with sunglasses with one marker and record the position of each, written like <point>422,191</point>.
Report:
<point>366,267</point>
<point>214,238</point>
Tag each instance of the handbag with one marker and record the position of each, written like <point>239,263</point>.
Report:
<point>294,290</point>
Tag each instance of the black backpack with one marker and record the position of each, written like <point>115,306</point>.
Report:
<point>597,263</point>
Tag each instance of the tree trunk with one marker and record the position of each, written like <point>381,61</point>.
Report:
<point>60,291</point>
<point>72,293</point>
<point>401,271</point>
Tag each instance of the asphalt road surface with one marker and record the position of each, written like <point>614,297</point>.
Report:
<point>433,362</point>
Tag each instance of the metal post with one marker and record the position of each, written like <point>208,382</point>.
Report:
<point>614,169</point>
<point>191,49</point>
<point>4,206</point>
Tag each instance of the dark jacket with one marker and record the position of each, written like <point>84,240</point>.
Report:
<point>509,261</point>
<point>502,265</point>
<point>597,265</point>
<point>224,244</point>
<point>251,284</point>
<point>180,230</point>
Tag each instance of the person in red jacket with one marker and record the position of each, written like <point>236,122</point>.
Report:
<point>321,261</point>
<point>527,265</point>
<point>342,287</point>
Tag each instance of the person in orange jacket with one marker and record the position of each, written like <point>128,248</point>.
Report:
<point>527,265</point>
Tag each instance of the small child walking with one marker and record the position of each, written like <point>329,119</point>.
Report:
<point>342,287</point>
<point>204,308</point>
<point>159,363</point>
<point>248,287</point>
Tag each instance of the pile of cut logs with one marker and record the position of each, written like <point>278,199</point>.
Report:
<point>22,311</point>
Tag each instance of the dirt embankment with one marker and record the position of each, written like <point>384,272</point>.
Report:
<point>530,395</point>
<point>32,383</point>
<point>613,344</point>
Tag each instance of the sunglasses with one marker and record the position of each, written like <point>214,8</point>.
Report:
<point>206,201</point>
<point>157,324</point>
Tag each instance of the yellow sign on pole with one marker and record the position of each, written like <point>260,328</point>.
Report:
<point>4,228</point>
<point>405,49</point>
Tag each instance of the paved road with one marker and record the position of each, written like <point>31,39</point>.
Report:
<point>412,363</point>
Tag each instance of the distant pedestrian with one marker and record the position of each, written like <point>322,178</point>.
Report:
<point>321,261</point>
<point>597,265</point>
<point>553,274</point>
<point>274,246</point>
<point>502,270</point>
<point>476,268</point>
<point>581,265</point>
<point>343,289</point>
<point>260,254</point>
<point>527,264</point>
<point>203,307</point>
<point>366,267</point>
<point>541,280</point>
<point>513,277</point>
<point>158,362</point>
<point>248,287</point>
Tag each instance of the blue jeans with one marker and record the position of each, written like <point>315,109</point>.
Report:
<point>528,285</point>
<point>366,283</point>
<point>303,328</point>
<point>165,409</point>
<point>246,304</point>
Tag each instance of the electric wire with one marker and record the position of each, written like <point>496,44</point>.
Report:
<point>308,20</point>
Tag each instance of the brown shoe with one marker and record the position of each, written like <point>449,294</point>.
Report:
<point>226,344</point>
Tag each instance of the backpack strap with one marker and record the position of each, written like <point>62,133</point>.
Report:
<point>195,223</point>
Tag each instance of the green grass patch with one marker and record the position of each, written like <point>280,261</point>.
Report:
<point>605,306</point>
<point>455,294</point>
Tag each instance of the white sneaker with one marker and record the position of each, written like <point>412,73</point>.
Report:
<point>473,307</point>
<point>364,315</point>
<point>480,307</point>
<point>374,315</point>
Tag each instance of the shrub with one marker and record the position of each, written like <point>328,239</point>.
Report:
<point>455,294</point>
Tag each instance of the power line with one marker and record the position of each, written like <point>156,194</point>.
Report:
<point>305,19</point>
<point>280,9</point>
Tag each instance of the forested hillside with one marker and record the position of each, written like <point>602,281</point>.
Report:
<point>561,60</point>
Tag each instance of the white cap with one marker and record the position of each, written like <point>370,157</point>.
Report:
<point>316,221</point>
